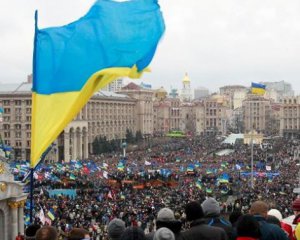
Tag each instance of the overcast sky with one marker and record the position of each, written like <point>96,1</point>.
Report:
<point>218,42</point>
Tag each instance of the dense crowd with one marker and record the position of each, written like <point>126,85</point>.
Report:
<point>169,175</point>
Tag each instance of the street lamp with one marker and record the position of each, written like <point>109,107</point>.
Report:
<point>124,145</point>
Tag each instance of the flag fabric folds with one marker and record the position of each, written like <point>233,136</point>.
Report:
<point>72,62</point>
<point>258,89</point>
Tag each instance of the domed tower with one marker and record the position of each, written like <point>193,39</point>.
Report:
<point>186,93</point>
<point>161,94</point>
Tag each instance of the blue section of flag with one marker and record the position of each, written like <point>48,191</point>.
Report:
<point>111,34</point>
<point>258,85</point>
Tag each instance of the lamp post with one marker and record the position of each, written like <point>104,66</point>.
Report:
<point>124,145</point>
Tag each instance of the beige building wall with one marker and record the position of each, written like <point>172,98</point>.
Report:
<point>234,94</point>
<point>106,114</point>
<point>144,106</point>
<point>161,119</point>
<point>290,116</point>
<point>238,97</point>
<point>187,118</point>
<point>174,113</point>
<point>199,112</point>
<point>256,112</point>
<point>215,115</point>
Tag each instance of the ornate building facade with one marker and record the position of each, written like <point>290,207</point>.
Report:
<point>107,114</point>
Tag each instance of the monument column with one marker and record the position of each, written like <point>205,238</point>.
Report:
<point>86,145</point>
<point>80,145</point>
<point>66,147</point>
<point>14,219</point>
<point>74,154</point>
<point>21,216</point>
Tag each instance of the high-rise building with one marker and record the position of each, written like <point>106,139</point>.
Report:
<point>235,93</point>
<point>201,92</point>
<point>282,88</point>
<point>114,86</point>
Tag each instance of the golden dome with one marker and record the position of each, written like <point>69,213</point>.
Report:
<point>161,93</point>
<point>186,79</point>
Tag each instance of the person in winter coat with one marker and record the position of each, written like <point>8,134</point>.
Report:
<point>248,228</point>
<point>212,213</point>
<point>259,210</point>
<point>296,221</point>
<point>285,227</point>
<point>198,227</point>
<point>166,218</point>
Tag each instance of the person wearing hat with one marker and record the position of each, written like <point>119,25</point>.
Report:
<point>164,234</point>
<point>296,221</point>
<point>198,227</point>
<point>166,218</point>
<point>212,213</point>
<point>285,226</point>
<point>115,229</point>
<point>133,233</point>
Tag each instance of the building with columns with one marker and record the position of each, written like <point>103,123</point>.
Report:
<point>12,201</point>
<point>106,114</point>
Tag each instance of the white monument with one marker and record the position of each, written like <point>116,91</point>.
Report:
<point>12,201</point>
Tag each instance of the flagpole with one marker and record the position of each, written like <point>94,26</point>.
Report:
<point>251,123</point>
<point>32,181</point>
<point>31,195</point>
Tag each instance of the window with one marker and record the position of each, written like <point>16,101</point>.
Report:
<point>18,134</point>
<point>7,134</point>
<point>18,126</point>
<point>18,102</point>
<point>6,126</point>
<point>7,110</point>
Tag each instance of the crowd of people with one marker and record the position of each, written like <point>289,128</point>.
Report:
<point>202,221</point>
<point>136,187</point>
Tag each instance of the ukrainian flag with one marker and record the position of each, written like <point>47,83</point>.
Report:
<point>72,62</point>
<point>258,89</point>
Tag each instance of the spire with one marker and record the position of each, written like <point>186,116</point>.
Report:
<point>186,78</point>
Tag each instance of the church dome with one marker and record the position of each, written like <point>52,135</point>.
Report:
<point>186,79</point>
<point>161,93</point>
